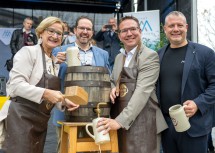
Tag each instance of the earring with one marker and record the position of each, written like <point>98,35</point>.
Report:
<point>40,41</point>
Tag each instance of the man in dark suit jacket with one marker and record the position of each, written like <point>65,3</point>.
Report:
<point>111,42</point>
<point>23,37</point>
<point>187,77</point>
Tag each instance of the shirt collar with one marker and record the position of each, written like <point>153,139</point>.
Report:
<point>122,50</point>
<point>27,32</point>
<point>90,48</point>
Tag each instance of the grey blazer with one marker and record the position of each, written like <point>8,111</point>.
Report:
<point>148,72</point>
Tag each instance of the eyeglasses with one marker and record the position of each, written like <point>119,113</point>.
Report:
<point>51,32</point>
<point>84,28</point>
<point>132,30</point>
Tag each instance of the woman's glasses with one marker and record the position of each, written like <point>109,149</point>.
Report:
<point>52,32</point>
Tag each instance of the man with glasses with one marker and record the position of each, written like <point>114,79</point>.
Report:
<point>111,42</point>
<point>135,109</point>
<point>89,55</point>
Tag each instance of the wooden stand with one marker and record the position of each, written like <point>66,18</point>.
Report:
<point>70,143</point>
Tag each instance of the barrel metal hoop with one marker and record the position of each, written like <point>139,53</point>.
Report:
<point>87,69</point>
<point>84,83</point>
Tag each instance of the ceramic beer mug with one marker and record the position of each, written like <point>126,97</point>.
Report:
<point>179,118</point>
<point>72,56</point>
<point>98,136</point>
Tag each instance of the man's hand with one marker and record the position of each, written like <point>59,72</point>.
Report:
<point>190,108</point>
<point>104,28</point>
<point>113,95</point>
<point>107,124</point>
<point>30,43</point>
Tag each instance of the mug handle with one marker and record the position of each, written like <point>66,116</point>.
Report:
<point>183,108</point>
<point>86,127</point>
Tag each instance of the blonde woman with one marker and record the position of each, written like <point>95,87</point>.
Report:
<point>34,90</point>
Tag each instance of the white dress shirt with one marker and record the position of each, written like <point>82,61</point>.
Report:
<point>128,55</point>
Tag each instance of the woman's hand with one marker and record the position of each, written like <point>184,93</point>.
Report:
<point>70,105</point>
<point>107,124</point>
<point>61,57</point>
<point>53,96</point>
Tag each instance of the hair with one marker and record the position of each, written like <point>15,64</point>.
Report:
<point>112,18</point>
<point>72,29</point>
<point>46,23</point>
<point>83,17</point>
<point>66,25</point>
<point>176,13</point>
<point>129,18</point>
<point>28,18</point>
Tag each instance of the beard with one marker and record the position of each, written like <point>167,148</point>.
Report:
<point>83,41</point>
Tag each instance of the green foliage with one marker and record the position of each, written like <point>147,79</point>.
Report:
<point>148,43</point>
<point>163,40</point>
<point>121,45</point>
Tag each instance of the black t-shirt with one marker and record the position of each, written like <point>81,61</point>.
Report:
<point>171,77</point>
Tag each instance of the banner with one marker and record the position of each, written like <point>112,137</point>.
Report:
<point>150,26</point>
<point>6,34</point>
<point>206,21</point>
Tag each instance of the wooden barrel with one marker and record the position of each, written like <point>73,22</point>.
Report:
<point>96,81</point>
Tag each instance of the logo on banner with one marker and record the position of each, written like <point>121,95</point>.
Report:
<point>6,34</point>
<point>145,26</point>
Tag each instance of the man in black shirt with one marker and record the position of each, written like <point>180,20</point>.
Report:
<point>171,77</point>
<point>187,77</point>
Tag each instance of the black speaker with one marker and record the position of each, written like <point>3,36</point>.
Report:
<point>3,86</point>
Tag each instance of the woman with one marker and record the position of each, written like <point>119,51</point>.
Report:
<point>34,89</point>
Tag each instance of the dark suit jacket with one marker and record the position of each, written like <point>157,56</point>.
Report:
<point>110,43</point>
<point>17,40</point>
<point>198,84</point>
